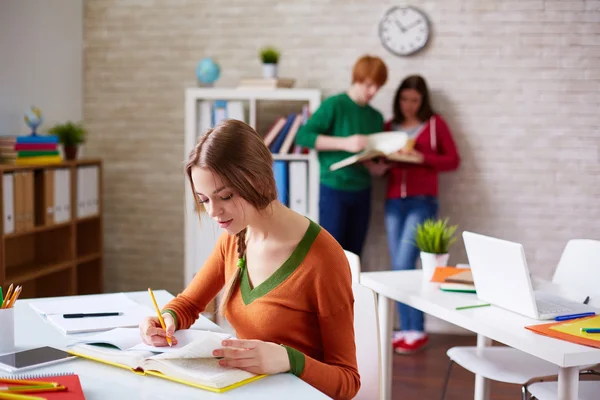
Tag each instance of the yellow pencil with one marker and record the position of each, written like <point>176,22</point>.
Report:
<point>15,295</point>
<point>160,318</point>
<point>15,396</point>
<point>27,382</point>
<point>7,297</point>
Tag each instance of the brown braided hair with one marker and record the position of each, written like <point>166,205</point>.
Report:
<point>238,155</point>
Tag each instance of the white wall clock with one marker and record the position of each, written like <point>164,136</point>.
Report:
<point>404,30</point>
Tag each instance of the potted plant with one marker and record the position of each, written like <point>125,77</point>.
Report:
<point>434,238</point>
<point>70,135</point>
<point>269,57</point>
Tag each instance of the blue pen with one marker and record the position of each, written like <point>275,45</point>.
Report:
<point>590,330</point>
<point>574,316</point>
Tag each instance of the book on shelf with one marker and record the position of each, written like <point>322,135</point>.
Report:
<point>382,144</point>
<point>29,149</point>
<point>266,83</point>
<point>190,364</point>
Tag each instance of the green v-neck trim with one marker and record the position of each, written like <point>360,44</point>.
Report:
<point>283,272</point>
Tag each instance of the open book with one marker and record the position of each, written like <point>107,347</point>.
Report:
<point>190,362</point>
<point>383,144</point>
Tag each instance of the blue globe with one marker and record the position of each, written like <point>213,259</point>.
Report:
<point>208,71</point>
<point>33,119</point>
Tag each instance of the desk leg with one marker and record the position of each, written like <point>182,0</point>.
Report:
<point>482,387</point>
<point>568,383</point>
<point>386,322</point>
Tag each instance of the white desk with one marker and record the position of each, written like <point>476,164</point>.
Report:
<point>101,381</point>
<point>490,323</point>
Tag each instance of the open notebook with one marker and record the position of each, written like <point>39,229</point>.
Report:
<point>383,144</point>
<point>190,362</point>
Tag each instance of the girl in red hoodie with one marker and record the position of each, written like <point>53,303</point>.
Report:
<point>412,191</point>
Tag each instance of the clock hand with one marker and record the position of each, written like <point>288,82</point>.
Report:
<point>399,25</point>
<point>412,25</point>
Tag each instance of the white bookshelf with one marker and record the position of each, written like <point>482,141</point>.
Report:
<point>200,238</point>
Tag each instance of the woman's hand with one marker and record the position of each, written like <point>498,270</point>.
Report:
<point>154,335</point>
<point>417,155</point>
<point>254,356</point>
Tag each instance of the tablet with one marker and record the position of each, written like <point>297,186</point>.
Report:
<point>32,358</point>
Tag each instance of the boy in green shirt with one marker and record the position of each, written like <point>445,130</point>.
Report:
<point>337,130</point>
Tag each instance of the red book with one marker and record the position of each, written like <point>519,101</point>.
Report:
<point>70,381</point>
<point>34,146</point>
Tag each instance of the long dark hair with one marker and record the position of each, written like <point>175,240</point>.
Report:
<point>417,83</point>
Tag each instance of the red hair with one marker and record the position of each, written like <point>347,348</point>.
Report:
<point>370,68</point>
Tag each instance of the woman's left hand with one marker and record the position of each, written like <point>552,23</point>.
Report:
<point>254,356</point>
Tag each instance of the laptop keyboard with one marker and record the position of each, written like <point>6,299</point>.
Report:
<point>545,307</point>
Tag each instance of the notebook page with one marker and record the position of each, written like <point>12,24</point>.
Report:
<point>184,338</point>
<point>132,359</point>
<point>123,338</point>
<point>202,345</point>
<point>84,304</point>
<point>200,370</point>
<point>387,142</point>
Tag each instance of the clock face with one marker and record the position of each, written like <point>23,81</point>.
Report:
<point>404,30</point>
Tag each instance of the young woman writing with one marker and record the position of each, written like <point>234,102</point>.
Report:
<point>287,282</point>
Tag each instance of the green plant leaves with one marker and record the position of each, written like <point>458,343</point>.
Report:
<point>435,236</point>
<point>269,55</point>
<point>69,133</point>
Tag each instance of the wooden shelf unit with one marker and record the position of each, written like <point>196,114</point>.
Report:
<point>53,245</point>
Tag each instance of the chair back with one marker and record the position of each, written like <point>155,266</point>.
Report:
<point>579,268</point>
<point>354,261</point>
<point>366,334</point>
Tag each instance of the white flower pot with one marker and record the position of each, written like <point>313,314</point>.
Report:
<point>270,70</point>
<point>429,261</point>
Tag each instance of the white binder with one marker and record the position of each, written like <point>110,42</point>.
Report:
<point>298,181</point>
<point>8,203</point>
<point>62,195</point>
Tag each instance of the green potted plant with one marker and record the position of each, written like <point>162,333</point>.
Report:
<point>270,58</point>
<point>434,239</point>
<point>70,135</point>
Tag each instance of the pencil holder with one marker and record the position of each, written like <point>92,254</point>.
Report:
<point>7,330</point>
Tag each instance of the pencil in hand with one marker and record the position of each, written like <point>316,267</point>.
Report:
<point>160,318</point>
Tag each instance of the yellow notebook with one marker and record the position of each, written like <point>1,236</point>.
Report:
<point>38,160</point>
<point>192,365</point>
<point>573,328</point>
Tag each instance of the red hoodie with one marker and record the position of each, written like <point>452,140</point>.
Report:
<point>439,155</point>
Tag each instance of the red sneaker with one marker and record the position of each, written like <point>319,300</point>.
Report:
<point>401,346</point>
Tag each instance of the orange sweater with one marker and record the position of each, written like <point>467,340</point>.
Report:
<point>307,305</point>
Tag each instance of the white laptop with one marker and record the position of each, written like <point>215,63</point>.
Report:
<point>502,278</point>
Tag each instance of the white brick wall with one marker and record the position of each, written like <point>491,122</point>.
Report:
<point>518,82</point>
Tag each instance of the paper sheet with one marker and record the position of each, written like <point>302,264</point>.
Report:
<point>202,345</point>
<point>131,317</point>
<point>84,304</point>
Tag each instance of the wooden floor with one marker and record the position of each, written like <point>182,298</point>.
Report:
<point>421,376</point>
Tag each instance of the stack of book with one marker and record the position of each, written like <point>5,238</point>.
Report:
<point>29,150</point>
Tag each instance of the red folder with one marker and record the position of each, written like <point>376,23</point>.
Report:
<point>70,381</point>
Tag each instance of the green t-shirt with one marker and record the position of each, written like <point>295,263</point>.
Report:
<point>340,116</point>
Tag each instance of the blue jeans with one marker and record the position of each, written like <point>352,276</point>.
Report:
<point>401,219</point>
<point>345,215</point>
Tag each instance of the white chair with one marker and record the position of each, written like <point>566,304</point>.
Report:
<point>354,261</point>
<point>366,336</point>
<point>588,390</point>
<point>578,270</point>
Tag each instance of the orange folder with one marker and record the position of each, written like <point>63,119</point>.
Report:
<point>441,273</point>
<point>544,329</point>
